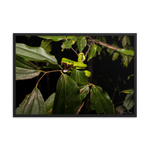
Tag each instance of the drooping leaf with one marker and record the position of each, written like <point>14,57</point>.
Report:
<point>128,40</point>
<point>110,51</point>
<point>32,104</point>
<point>83,91</point>
<point>126,52</point>
<point>115,56</point>
<point>130,76</point>
<point>34,53</point>
<point>79,77</point>
<point>100,101</point>
<point>99,49</point>
<point>81,43</point>
<point>25,69</point>
<point>119,38</point>
<point>129,100</point>
<point>124,41</point>
<point>54,38</point>
<point>92,51</point>
<point>67,98</point>
<point>49,103</point>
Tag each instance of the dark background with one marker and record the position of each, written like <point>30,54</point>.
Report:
<point>108,74</point>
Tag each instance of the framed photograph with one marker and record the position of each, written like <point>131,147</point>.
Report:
<point>75,75</point>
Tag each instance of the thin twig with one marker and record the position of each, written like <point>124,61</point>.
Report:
<point>80,108</point>
<point>88,49</point>
<point>45,74</point>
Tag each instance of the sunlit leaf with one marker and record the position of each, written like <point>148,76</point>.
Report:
<point>126,52</point>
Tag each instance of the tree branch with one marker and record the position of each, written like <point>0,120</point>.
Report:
<point>104,44</point>
<point>80,108</point>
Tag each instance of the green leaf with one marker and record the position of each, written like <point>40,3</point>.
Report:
<point>70,37</point>
<point>124,41</point>
<point>34,54</point>
<point>46,44</point>
<point>127,91</point>
<point>49,103</point>
<point>25,69</point>
<point>128,40</point>
<point>52,66</point>
<point>79,77</point>
<point>119,38</point>
<point>126,52</point>
<point>110,51</point>
<point>66,44</point>
<point>32,104</point>
<point>67,99</point>
<point>22,73</point>
<point>92,51</point>
<point>99,49</point>
<point>81,45</point>
<point>73,40</point>
<point>115,56</point>
<point>129,101</point>
<point>84,91</point>
<point>100,101</point>
<point>54,38</point>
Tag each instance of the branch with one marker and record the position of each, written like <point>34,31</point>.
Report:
<point>45,74</point>
<point>104,44</point>
<point>80,108</point>
<point>83,41</point>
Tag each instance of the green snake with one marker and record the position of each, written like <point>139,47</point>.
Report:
<point>68,64</point>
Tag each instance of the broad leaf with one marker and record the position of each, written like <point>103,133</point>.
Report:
<point>34,53</point>
<point>92,51</point>
<point>126,60</point>
<point>67,98</point>
<point>54,38</point>
<point>129,100</point>
<point>81,43</point>
<point>126,52</point>
<point>49,103</point>
<point>32,104</point>
<point>25,69</point>
<point>100,101</point>
<point>79,77</point>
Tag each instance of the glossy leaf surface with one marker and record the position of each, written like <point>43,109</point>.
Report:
<point>32,104</point>
<point>25,69</point>
<point>79,77</point>
<point>126,52</point>
<point>67,99</point>
<point>100,101</point>
<point>92,51</point>
<point>34,53</point>
<point>81,43</point>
